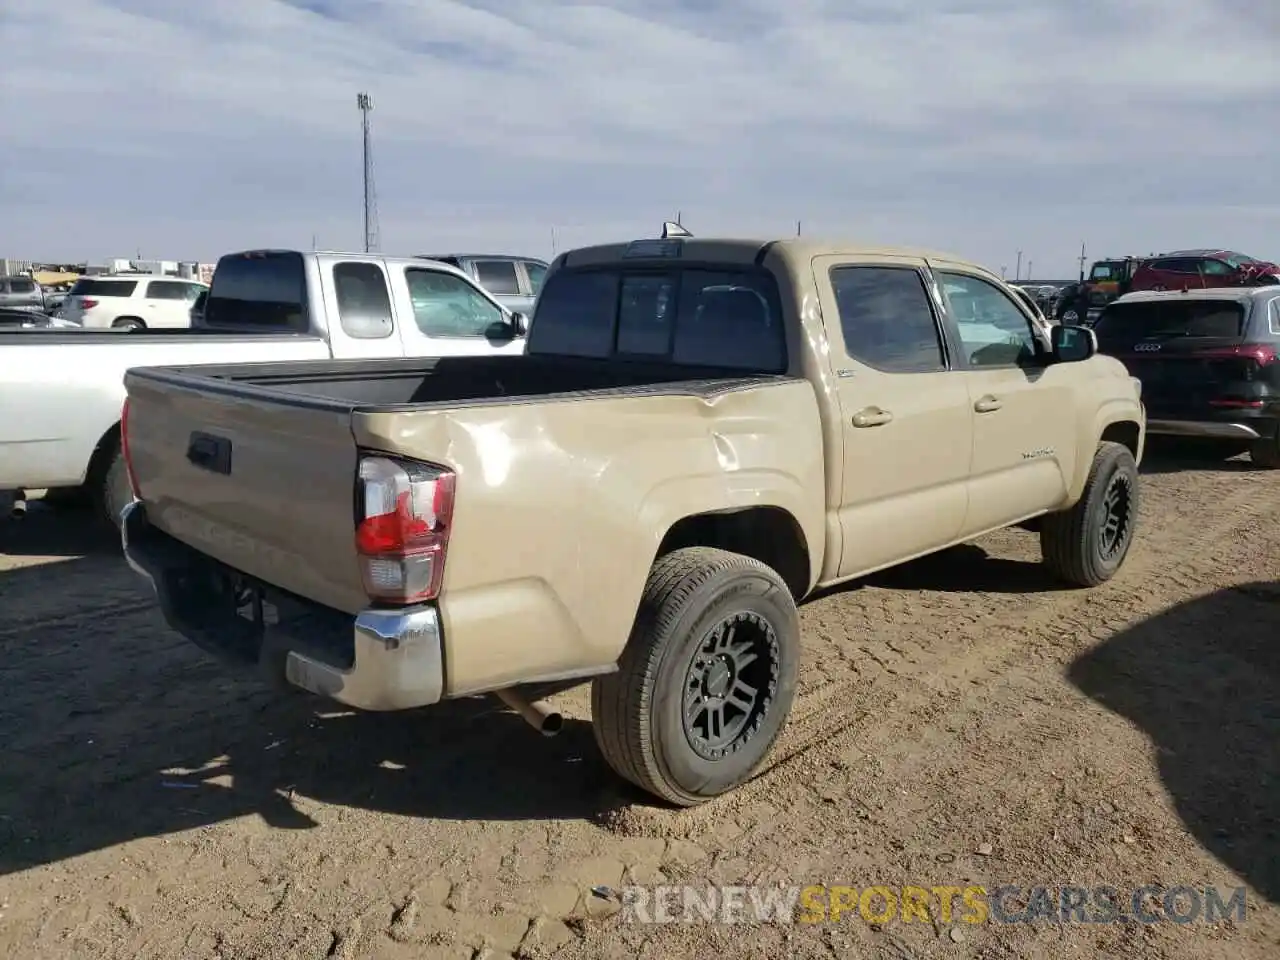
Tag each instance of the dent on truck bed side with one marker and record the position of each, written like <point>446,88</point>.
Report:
<point>561,507</point>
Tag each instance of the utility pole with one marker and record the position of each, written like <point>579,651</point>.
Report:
<point>1082,261</point>
<point>553,243</point>
<point>1017,270</point>
<point>365,104</point>
<point>1029,266</point>
<point>1004,273</point>
<point>797,228</point>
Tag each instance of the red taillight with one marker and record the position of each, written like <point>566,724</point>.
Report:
<point>87,304</point>
<point>124,450</point>
<point>403,528</point>
<point>1261,353</point>
<point>1239,404</point>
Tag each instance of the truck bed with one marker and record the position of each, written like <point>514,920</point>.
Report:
<point>372,385</point>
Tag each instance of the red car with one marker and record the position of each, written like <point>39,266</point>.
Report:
<point>1202,269</point>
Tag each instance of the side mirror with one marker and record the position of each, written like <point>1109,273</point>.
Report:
<point>1072,343</point>
<point>520,324</point>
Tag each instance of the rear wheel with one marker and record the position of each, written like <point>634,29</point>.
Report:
<point>128,323</point>
<point>111,489</point>
<point>1266,452</point>
<point>1087,543</point>
<point>706,680</point>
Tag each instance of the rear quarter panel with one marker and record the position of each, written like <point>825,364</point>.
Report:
<point>561,506</point>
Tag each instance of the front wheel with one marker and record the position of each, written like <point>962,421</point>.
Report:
<point>706,680</point>
<point>1266,452</point>
<point>1086,544</point>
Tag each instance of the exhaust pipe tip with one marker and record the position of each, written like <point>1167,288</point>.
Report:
<point>18,510</point>
<point>546,722</point>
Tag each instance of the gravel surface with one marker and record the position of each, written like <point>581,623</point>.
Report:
<point>961,721</point>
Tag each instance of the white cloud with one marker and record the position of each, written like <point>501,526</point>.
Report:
<point>979,126</point>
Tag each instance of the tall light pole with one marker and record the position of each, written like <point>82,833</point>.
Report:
<point>365,104</point>
<point>1017,270</point>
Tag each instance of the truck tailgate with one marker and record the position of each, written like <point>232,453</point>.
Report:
<point>265,487</point>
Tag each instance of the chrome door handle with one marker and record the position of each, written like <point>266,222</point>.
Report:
<point>987,404</point>
<point>871,417</point>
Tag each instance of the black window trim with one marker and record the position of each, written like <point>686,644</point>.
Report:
<point>942,323</point>
<point>624,269</point>
<point>953,326</point>
<point>386,286</point>
<point>467,281</point>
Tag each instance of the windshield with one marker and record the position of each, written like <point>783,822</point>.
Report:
<point>1127,323</point>
<point>1106,271</point>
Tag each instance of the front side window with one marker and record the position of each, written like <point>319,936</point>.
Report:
<point>886,319</point>
<point>446,305</point>
<point>498,277</point>
<point>537,273</point>
<point>364,305</point>
<point>1215,268</point>
<point>993,331</point>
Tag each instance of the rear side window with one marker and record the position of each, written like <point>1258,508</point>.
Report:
<point>1124,324</point>
<point>698,317</point>
<point>1275,317</point>
<point>364,305</point>
<point>167,290</point>
<point>258,290</point>
<point>103,288</point>
<point>22,286</point>
<point>498,276</point>
<point>886,319</point>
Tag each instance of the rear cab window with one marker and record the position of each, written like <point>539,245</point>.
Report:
<point>267,289</point>
<point>886,318</point>
<point>699,316</point>
<point>98,289</point>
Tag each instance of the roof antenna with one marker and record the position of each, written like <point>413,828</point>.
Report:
<point>671,229</point>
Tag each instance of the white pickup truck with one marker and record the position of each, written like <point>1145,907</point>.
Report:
<point>62,390</point>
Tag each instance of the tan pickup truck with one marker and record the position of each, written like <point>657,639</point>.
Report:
<point>701,433</point>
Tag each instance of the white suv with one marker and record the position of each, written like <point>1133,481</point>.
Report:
<point>131,302</point>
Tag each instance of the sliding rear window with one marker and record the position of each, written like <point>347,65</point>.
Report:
<point>258,290</point>
<point>697,316</point>
<point>1124,324</point>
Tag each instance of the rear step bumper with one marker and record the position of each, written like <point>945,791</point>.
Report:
<point>1214,429</point>
<point>378,660</point>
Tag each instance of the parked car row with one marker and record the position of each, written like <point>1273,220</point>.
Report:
<point>63,390</point>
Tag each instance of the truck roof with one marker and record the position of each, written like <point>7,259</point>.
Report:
<point>796,250</point>
<point>1237,294</point>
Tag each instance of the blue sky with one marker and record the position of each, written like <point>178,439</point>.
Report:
<point>186,130</point>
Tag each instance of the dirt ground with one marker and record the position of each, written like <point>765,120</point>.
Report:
<point>961,721</point>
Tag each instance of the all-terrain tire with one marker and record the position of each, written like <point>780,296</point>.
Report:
<point>1266,453</point>
<point>1075,543</point>
<point>639,713</point>
<point>111,490</point>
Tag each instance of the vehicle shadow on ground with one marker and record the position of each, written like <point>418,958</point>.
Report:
<point>967,568</point>
<point>115,728</point>
<point>1202,680</point>
<point>1170,455</point>
<point>62,532</point>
